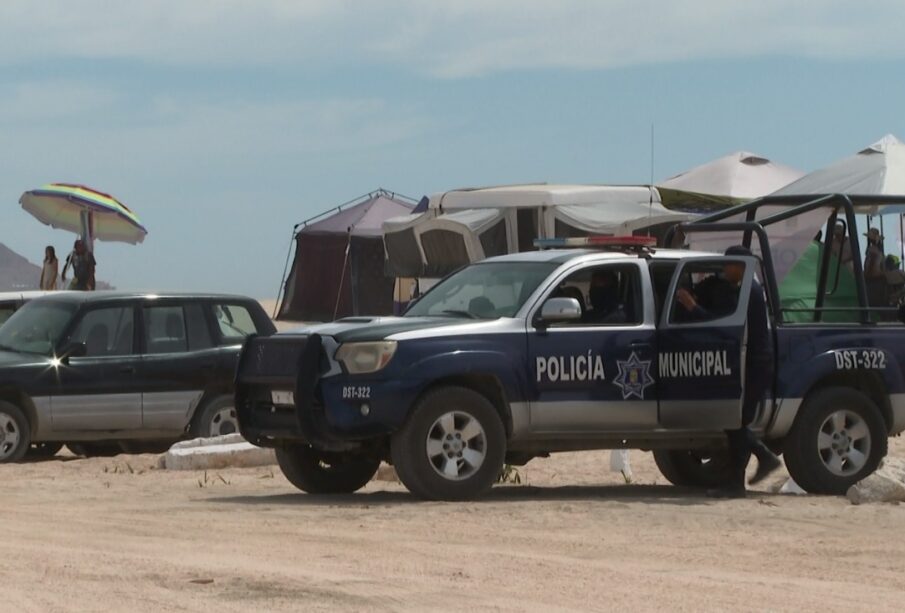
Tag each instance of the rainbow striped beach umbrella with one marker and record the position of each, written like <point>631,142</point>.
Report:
<point>89,213</point>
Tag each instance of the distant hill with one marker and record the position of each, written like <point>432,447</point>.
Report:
<point>18,274</point>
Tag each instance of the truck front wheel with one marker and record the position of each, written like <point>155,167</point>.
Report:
<point>325,473</point>
<point>838,438</point>
<point>452,447</point>
<point>693,468</point>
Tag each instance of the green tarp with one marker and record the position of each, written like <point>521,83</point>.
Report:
<point>799,288</point>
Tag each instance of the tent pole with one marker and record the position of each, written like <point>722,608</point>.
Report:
<point>901,241</point>
<point>276,306</point>
<point>342,277</point>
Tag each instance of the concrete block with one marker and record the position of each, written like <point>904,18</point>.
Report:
<point>887,484</point>
<point>230,451</point>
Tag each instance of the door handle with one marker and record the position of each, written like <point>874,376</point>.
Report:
<point>639,345</point>
<point>127,370</point>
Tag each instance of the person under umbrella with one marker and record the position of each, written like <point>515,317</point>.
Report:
<point>83,265</point>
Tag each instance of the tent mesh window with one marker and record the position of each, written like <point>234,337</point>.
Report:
<point>444,250</point>
<point>527,229</point>
<point>564,230</point>
<point>403,255</point>
<point>493,240</point>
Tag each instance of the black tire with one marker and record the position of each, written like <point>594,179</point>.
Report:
<point>694,468</point>
<point>810,466</point>
<point>216,417</point>
<point>95,450</point>
<point>44,450</point>
<point>325,473</point>
<point>421,472</point>
<point>15,433</point>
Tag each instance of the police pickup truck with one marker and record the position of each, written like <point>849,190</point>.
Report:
<point>523,355</point>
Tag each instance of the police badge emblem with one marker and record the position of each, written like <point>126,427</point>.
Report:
<point>634,376</point>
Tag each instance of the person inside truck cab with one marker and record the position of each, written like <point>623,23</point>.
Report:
<point>604,298</point>
<point>713,297</point>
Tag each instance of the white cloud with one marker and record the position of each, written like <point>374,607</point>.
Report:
<point>450,39</point>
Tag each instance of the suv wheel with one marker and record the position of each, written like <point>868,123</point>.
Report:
<point>15,435</point>
<point>452,447</point>
<point>693,468</point>
<point>217,418</point>
<point>838,438</point>
<point>325,473</point>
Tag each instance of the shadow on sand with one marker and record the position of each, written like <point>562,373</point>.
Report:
<point>649,494</point>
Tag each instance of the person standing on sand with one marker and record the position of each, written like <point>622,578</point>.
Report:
<point>83,264</point>
<point>758,376</point>
<point>49,270</point>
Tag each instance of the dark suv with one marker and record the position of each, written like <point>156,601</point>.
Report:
<point>104,372</point>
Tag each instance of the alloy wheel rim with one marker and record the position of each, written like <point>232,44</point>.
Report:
<point>9,436</point>
<point>844,443</point>
<point>456,445</point>
<point>225,421</point>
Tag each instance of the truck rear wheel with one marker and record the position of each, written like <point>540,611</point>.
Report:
<point>693,468</point>
<point>452,446</point>
<point>325,473</point>
<point>838,438</point>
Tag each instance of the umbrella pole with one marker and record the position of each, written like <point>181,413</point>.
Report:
<point>87,231</point>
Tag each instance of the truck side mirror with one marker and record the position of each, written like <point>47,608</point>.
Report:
<point>556,310</point>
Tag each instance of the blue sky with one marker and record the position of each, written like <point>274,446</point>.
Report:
<point>224,123</point>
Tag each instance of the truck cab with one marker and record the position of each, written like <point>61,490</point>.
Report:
<point>567,349</point>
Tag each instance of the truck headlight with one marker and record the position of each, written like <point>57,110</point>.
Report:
<point>361,358</point>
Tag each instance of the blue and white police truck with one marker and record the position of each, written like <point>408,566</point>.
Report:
<point>574,348</point>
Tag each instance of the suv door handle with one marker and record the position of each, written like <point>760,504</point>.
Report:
<point>639,345</point>
<point>127,370</point>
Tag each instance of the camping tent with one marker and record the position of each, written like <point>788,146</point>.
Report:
<point>338,269</point>
<point>467,225</point>
<point>727,180</point>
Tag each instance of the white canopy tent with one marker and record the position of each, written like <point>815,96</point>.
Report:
<point>739,176</point>
<point>876,170</point>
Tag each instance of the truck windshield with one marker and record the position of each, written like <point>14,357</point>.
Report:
<point>36,327</point>
<point>483,291</point>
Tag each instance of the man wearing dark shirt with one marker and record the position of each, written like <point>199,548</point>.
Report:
<point>758,376</point>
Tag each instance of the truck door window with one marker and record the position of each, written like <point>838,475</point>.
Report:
<point>707,291</point>
<point>607,295</point>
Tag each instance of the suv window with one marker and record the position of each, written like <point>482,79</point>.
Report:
<point>608,295</point>
<point>165,329</point>
<point>234,322</point>
<point>198,329</point>
<point>106,332</point>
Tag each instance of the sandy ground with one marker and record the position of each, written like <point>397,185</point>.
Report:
<point>117,534</point>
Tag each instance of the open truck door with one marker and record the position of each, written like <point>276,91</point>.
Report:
<point>701,350</point>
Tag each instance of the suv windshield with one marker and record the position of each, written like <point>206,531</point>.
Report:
<point>483,291</point>
<point>36,327</point>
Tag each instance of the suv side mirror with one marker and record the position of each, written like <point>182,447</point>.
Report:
<point>560,309</point>
<point>73,350</point>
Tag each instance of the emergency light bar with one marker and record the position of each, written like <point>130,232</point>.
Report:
<point>611,242</point>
